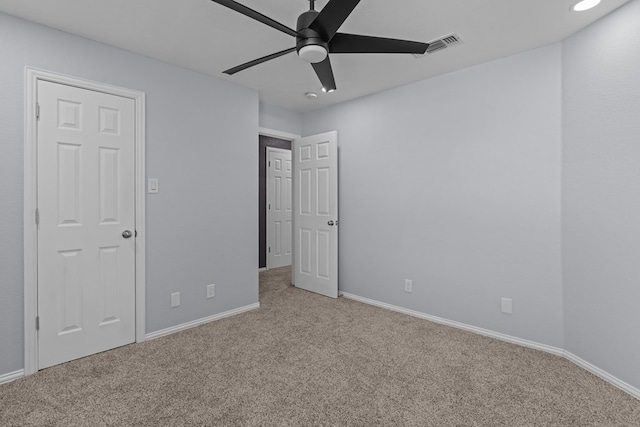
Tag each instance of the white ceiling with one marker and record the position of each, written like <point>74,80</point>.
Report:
<point>208,38</point>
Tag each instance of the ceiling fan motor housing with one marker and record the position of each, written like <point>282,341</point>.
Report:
<point>308,37</point>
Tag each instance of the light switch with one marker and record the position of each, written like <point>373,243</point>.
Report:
<point>153,185</point>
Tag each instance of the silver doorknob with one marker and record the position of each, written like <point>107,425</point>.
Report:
<point>126,234</point>
<point>330,223</point>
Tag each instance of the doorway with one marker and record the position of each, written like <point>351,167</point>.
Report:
<point>314,177</point>
<point>266,139</point>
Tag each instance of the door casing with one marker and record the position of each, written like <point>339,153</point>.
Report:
<point>32,76</point>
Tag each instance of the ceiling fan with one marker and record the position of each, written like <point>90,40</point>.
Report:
<point>317,35</point>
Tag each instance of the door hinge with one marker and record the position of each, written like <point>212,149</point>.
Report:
<point>37,323</point>
<point>269,206</point>
<point>37,111</point>
<point>269,249</point>
<point>37,216</point>
<point>269,163</point>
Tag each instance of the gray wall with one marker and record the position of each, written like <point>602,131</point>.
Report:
<point>454,182</point>
<point>601,193</point>
<point>278,118</point>
<point>201,135</point>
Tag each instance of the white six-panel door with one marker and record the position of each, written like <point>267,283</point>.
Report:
<point>279,208</point>
<point>315,166</point>
<point>86,267</point>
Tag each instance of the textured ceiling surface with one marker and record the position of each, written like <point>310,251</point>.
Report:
<point>206,37</point>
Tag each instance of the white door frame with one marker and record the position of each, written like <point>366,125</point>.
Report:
<point>32,75</point>
<point>277,134</point>
<point>269,231</point>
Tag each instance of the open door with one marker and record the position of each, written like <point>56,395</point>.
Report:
<point>315,213</point>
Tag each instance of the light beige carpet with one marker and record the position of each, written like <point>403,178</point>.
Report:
<point>304,360</point>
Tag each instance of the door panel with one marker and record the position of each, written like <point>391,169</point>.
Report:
<point>69,289</point>
<point>279,205</point>
<point>316,213</point>
<point>109,191</point>
<point>86,274</point>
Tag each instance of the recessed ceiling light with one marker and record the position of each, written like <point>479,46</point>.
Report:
<point>311,95</point>
<point>585,5</point>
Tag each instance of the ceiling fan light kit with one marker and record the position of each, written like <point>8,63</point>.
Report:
<point>312,53</point>
<point>317,37</point>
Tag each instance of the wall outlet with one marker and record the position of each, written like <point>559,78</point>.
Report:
<point>175,299</point>
<point>408,285</point>
<point>211,291</point>
<point>507,305</point>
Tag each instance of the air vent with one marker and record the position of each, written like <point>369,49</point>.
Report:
<point>436,45</point>
<point>445,42</point>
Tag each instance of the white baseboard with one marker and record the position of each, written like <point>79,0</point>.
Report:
<point>262,269</point>
<point>5,378</point>
<point>11,376</point>
<point>486,332</point>
<point>633,391</point>
<point>201,321</point>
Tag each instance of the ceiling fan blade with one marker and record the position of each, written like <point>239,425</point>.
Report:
<point>332,16</point>
<point>256,15</point>
<point>325,74</point>
<point>355,43</point>
<point>249,64</point>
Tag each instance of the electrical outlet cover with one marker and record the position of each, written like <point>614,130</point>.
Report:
<point>175,299</point>
<point>507,305</point>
